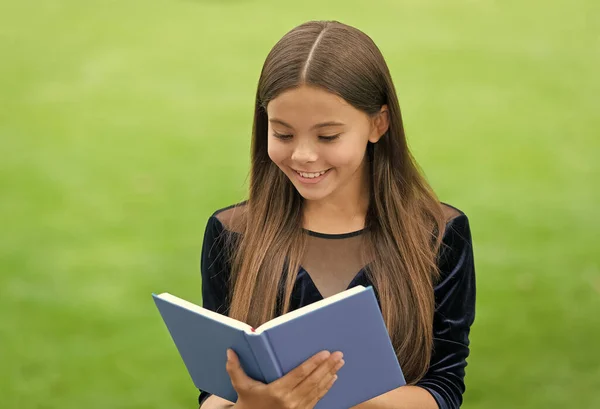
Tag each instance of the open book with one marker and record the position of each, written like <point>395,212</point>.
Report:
<point>350,322</point>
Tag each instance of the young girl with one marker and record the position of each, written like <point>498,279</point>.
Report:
<point>336,200</point>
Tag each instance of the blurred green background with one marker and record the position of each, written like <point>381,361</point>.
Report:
<point>125,124</point>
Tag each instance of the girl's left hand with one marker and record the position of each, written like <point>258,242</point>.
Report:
<point>301,388</point>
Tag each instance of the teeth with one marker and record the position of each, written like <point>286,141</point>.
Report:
<point>311,175</point>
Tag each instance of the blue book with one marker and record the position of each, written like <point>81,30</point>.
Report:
<point>350,322</point>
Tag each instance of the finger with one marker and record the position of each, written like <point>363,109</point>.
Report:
<point>311,399</point>
<point>298,374</point>
<point>239,379</point>
<point>322,391</point>
<point>313,384</point>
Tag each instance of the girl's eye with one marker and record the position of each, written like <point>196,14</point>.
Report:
<point>329,138</point>
<point>323,138</point>
<point>282,137</point>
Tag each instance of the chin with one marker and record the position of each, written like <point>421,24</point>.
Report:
<point>311,196</point>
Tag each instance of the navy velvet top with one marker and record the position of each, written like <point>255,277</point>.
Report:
<point>454,300</point>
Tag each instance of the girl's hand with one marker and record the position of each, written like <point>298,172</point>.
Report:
<point>300,388</point>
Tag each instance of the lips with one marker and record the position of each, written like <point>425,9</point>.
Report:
<point>309,179</point>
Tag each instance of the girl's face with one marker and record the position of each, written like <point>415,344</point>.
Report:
<point>319,141</point>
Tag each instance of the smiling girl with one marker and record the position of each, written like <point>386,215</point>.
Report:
<point>337,200</point>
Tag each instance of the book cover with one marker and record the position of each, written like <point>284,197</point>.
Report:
<point>350,322</point>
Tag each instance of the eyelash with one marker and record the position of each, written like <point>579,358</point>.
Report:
<point>323,138</point>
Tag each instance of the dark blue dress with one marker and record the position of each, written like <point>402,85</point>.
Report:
<point>454,299</point>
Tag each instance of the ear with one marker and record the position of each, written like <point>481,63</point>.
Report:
<point>380,124</point>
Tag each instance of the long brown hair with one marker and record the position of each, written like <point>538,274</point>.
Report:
<point>404,221</point>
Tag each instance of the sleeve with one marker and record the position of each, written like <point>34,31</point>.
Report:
<point>453,317</point>
<point>215,272</point>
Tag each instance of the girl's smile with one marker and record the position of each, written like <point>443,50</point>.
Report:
<point>311,177</point>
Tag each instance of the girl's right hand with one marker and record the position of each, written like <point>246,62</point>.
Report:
<point>300,388</point>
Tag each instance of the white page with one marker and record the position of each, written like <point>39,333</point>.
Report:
<point>206,312</point>
<point>309,308</point>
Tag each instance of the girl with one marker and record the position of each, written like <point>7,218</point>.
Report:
<point>336,200</point>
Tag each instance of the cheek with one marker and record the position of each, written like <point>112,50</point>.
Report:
<point>345,157</point>
<point>276,152</point>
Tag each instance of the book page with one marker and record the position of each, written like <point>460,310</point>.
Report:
<point>309,308</point>
<point>205,312</point>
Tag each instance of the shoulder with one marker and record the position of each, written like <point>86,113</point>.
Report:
<point>456,240</point>
<point>455,257</point>
<point>228,219</point>
<point>451,212</point>
<point>457,223</point>
<point>219,234</point>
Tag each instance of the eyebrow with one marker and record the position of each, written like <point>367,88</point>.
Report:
<point>321,125</point>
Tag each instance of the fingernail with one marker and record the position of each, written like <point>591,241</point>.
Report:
<point>335,378</point>
<point>228,354</point>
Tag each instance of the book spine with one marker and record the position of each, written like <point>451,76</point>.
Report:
<point>266,359</point>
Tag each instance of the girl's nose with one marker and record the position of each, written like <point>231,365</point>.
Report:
<point>304,152</point>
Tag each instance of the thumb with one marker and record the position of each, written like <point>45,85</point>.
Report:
<point>239,379</point>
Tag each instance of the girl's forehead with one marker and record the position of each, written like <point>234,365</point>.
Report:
<point>308,103</point>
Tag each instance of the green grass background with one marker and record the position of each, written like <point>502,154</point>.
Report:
<point>125,124</point>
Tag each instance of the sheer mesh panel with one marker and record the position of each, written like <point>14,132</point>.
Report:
<point>331,260</point>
